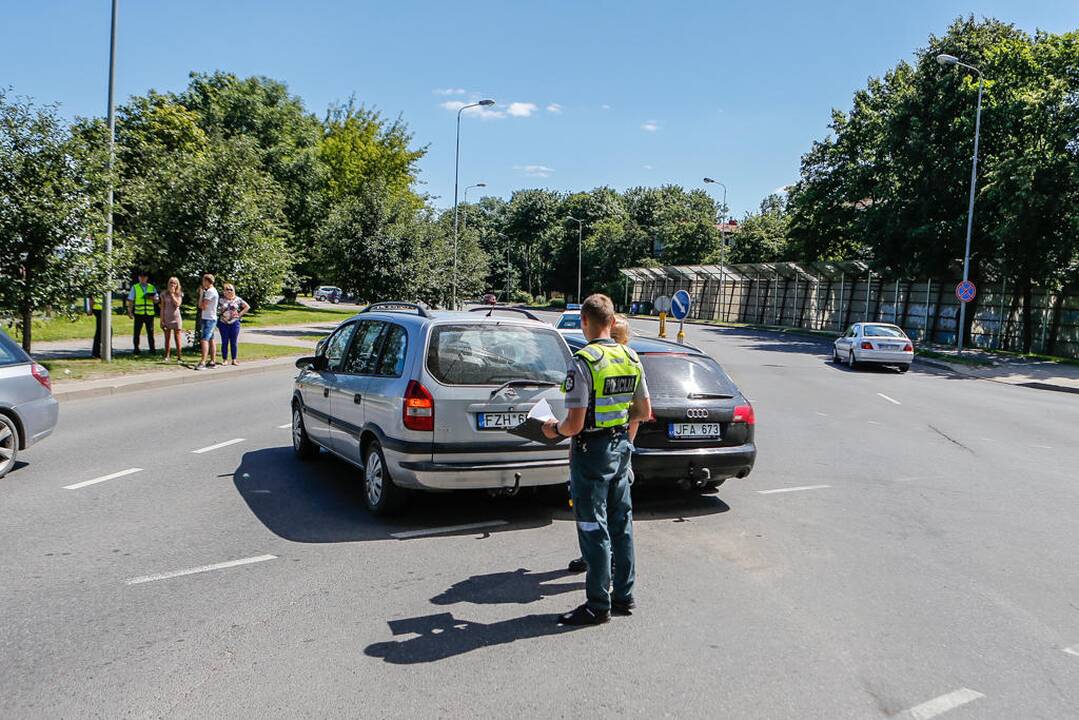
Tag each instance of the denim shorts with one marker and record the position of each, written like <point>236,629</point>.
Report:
<point>206,329</point>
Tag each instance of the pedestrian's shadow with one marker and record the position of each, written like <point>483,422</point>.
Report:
<point>519,586</point>
<point>441,636</point>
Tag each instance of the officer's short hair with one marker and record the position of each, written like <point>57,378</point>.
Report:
<point>599,310</point>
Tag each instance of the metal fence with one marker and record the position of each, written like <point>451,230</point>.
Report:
<point>831,296</point>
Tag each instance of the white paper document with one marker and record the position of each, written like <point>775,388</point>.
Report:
<point>542,411</point>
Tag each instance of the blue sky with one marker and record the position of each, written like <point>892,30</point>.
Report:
<point>617,93</point>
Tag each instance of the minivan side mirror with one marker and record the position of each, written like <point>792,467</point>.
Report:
<point>312,362</point>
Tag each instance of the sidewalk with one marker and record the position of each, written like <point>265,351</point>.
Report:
<point>996,367</point>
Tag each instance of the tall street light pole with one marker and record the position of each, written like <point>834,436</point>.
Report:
<point>106,306</point>
<point>717,182</point>
<point>952,60</point>
<point>464,217</point>
<point>580,244</point>
<point>456,175</point>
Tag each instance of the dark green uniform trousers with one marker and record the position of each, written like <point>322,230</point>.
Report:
<point>599,482</point>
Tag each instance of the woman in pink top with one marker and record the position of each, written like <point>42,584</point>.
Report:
<point>171,322</point>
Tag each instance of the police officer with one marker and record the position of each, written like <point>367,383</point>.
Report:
<point>140,307</point>
<point>605,391</point>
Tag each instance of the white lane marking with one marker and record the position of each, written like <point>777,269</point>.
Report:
<point>1042,447</point>
<point>940,705</point>
<point>286,425</point>
<point>820,413</point>
<point>204,568</point>
<point>1073,650</point>
<point>233,441</point>
<point>872,422</point>
<point>793,489</point>
<point>891,400</point>
<point>448,529</point>
<point>103,478</point>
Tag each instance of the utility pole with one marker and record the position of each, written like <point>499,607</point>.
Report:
<point>106,306</point>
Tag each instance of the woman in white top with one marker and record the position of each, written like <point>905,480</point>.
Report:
<point>230,308</point>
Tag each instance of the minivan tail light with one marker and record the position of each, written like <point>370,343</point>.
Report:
<point>866,345</point>
<point>908,348</point>
<point>418,411</point>
<point>744,413</point>
<point>41,374</point>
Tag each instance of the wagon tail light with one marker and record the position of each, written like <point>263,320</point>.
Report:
<point>41,374</point>
<point>744,413</point>
<point>418,412</point>
<point>908,348</point>
<point>866,345</point>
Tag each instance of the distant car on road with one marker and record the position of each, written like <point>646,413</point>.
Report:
<point>490,299</point>
<point>703,429</point>
<point>569,320</point>
<point>422,400</point>
<point>874,343</point>
<point>28,411</point>
<point>329,293</point>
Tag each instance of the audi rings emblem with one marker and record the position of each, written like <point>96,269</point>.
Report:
<point>697,413</point>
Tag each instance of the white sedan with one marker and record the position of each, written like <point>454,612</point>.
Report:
<point>570,320</point>
<point>877,343</point>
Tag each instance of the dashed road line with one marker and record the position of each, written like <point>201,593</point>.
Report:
<point>940,705</point>
<point>202,569</point>
<point>286,425</point>
<point>890,399</point>
<point>792,489</point>
<point>1042,447</point>
<point>103,478</point>
<point>217,446</point>
<point>820,413</point>
<point>872,422</point>
<point>1073,650</point>
<point>405,535</point>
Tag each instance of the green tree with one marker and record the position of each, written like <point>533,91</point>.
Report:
<point>762,236</point>
<point>48,216</point>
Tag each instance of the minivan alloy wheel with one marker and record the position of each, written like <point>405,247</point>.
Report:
<point>374,477</point>
<point>9,444</point>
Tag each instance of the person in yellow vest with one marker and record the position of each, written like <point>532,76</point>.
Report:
<point>605,392</point>
<point>140,307</point>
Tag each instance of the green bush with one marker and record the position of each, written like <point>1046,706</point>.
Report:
<point>558,303</point>
<point>520,296</point>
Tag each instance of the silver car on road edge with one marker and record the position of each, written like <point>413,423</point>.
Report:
<point>874,343</point>
<point>28,411</point>
<point>422,400</point>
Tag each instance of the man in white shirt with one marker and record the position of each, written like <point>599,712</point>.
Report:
<point>208,298</point>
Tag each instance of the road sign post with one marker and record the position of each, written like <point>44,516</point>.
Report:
<point>680,305</point>
<point>662,305</point>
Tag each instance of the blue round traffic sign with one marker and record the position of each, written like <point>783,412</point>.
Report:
<point>966,291</point>
<point>680,303</point>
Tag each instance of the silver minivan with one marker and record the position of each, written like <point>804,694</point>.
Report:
<point>422,400</point>
<point>28,411</point>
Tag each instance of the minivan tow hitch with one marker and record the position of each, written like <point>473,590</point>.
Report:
<point>510,491</point>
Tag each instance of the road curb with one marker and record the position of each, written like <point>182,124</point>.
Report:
<point>129,383</point>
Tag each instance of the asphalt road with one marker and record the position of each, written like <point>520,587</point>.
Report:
<point>905,547</point>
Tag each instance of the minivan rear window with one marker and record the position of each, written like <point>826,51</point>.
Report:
<point>10,352</point>
<point>490,354</point>
<point>683,376</point>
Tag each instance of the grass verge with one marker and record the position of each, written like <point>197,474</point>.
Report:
<point>82,327</point>
<point>128,364</point>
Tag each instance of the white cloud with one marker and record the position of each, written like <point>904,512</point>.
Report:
<point>535,170</point>
<point>449,91</point>
<point>782,190</point>
<point>647,167</point>
<point>554,108</point>
<point>481,111</point>
<point>521,109</point>
<point>650,126</point>
<point>605,107</point>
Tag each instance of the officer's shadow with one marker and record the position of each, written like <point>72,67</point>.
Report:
<point>439,636</point>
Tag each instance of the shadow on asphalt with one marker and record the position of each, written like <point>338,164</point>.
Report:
<point>520,586</point>
<point>321,501</point>
<point>441,636</point>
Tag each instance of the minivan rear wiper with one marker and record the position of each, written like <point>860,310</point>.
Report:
<point>709,396</point>
<point>523,383</point>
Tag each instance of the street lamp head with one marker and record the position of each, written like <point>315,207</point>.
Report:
<point>709,180</point>
<point>485,102</point>
<point>944,59</point>
<point>481,184</point>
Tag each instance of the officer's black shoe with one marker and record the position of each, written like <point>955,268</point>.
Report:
<point>622,607</point>
<point>585,615</point>
<point>577,566</point>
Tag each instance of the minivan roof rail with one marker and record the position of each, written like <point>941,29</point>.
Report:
<point>490,310</point>
<point>397,306</point>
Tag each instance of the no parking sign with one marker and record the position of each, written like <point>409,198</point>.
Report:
<point>965,291</point>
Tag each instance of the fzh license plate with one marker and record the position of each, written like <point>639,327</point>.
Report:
<point>687,431</point>
<point>500,421</point>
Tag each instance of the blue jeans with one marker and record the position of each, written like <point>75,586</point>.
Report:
<point>599,482</point>
<point>230,334</point>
